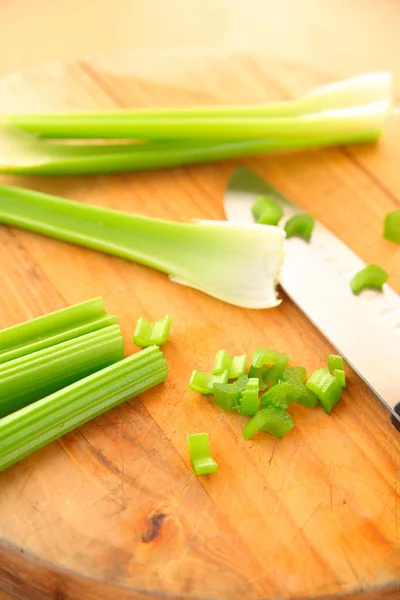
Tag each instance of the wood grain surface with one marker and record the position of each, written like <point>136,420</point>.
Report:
<point>113,510</point>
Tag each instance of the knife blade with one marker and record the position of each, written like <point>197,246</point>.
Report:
<point>364,329</point>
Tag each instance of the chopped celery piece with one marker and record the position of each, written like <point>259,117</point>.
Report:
<point>236,365</point>
<point>335,362</point>
<point>200,455</point>
<point>300,225</point>
<point>371,277</point>
<point>28,378</point>
<point>295,375</point>
<point>273,375</point>
<point>267,356</point>
<point>248,404</point>
<point>42,422</point>
<point>391,229</point>
<point>227,395</point>
<point>259,373</point>
<point>237,252</point>
<point>340,376</point>
<point>272,420</point>
<point>262,359</point>
<point>203,383</point>
<point>336,367</point>
<point>266,211</point>
<point>152,334</point>
<point>280,395</point>
<point>53,328</point>
<point>326,387</point>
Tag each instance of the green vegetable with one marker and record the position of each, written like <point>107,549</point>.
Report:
<point>266,211</point>
<point>281,395</point>
<point>248,403</point>
<point>335,362</point>
<point>28,378</point>
<point>42,422</point>
<point>300,225</point>
<point>336,367</point>
<point>152,334</point>
<point>267,356</point>
<point>391,229</point>
<point>262,359</point>
<point>200,455</point>
<point>297,376</point>
<point>236,365</point>
<point>273,375</point>
<point>203,383</point>
<point>227,395</point>
<point>326,387</point>
<point>29,155</point>
<point>235,263</point>
<point>316,125</point>
<point>53,328</point>
<point>340,376</point>
<point>272,420</point>
<point>351,92</point>
<point>352,110</point>
<point>371,277</point>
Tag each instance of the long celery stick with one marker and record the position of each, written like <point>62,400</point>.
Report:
<point>354,91</point>
<point>53,328</point>
<point>235,263</point>
<point>40,157</point>
<point>26,379</point>
<point>336,122</point>
<point>42,422</point>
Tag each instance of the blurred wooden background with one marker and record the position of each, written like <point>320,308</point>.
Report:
<point>342,36</point>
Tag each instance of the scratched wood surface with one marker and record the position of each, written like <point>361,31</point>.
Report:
<point>113,510</point>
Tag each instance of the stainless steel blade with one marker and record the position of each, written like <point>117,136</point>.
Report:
<point>364,329</point>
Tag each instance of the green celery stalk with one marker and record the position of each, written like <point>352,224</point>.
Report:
<point>28,378</point>
<point>19,154</point>
<point>53,328</point>
<point>235,263</point>
<point>44,421</point>
<point>352,92</point>
<point>331,122</point>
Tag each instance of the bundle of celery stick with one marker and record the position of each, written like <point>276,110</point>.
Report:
<point>352,110</point>
<point>62,370</point>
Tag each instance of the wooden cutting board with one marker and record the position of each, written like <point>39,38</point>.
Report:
<point>113,510</point>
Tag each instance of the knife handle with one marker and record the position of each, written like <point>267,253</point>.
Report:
<point>396,422</point>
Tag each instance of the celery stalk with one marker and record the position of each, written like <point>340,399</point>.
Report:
<point>42,422</point>
<point>53,328</point>
<point>28,378</point>
<point>313,126</point>
<point>233,262</point>
<point>19,154</point>
<point>352,92</point>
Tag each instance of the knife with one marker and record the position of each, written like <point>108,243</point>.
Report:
<point>364,329</point>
